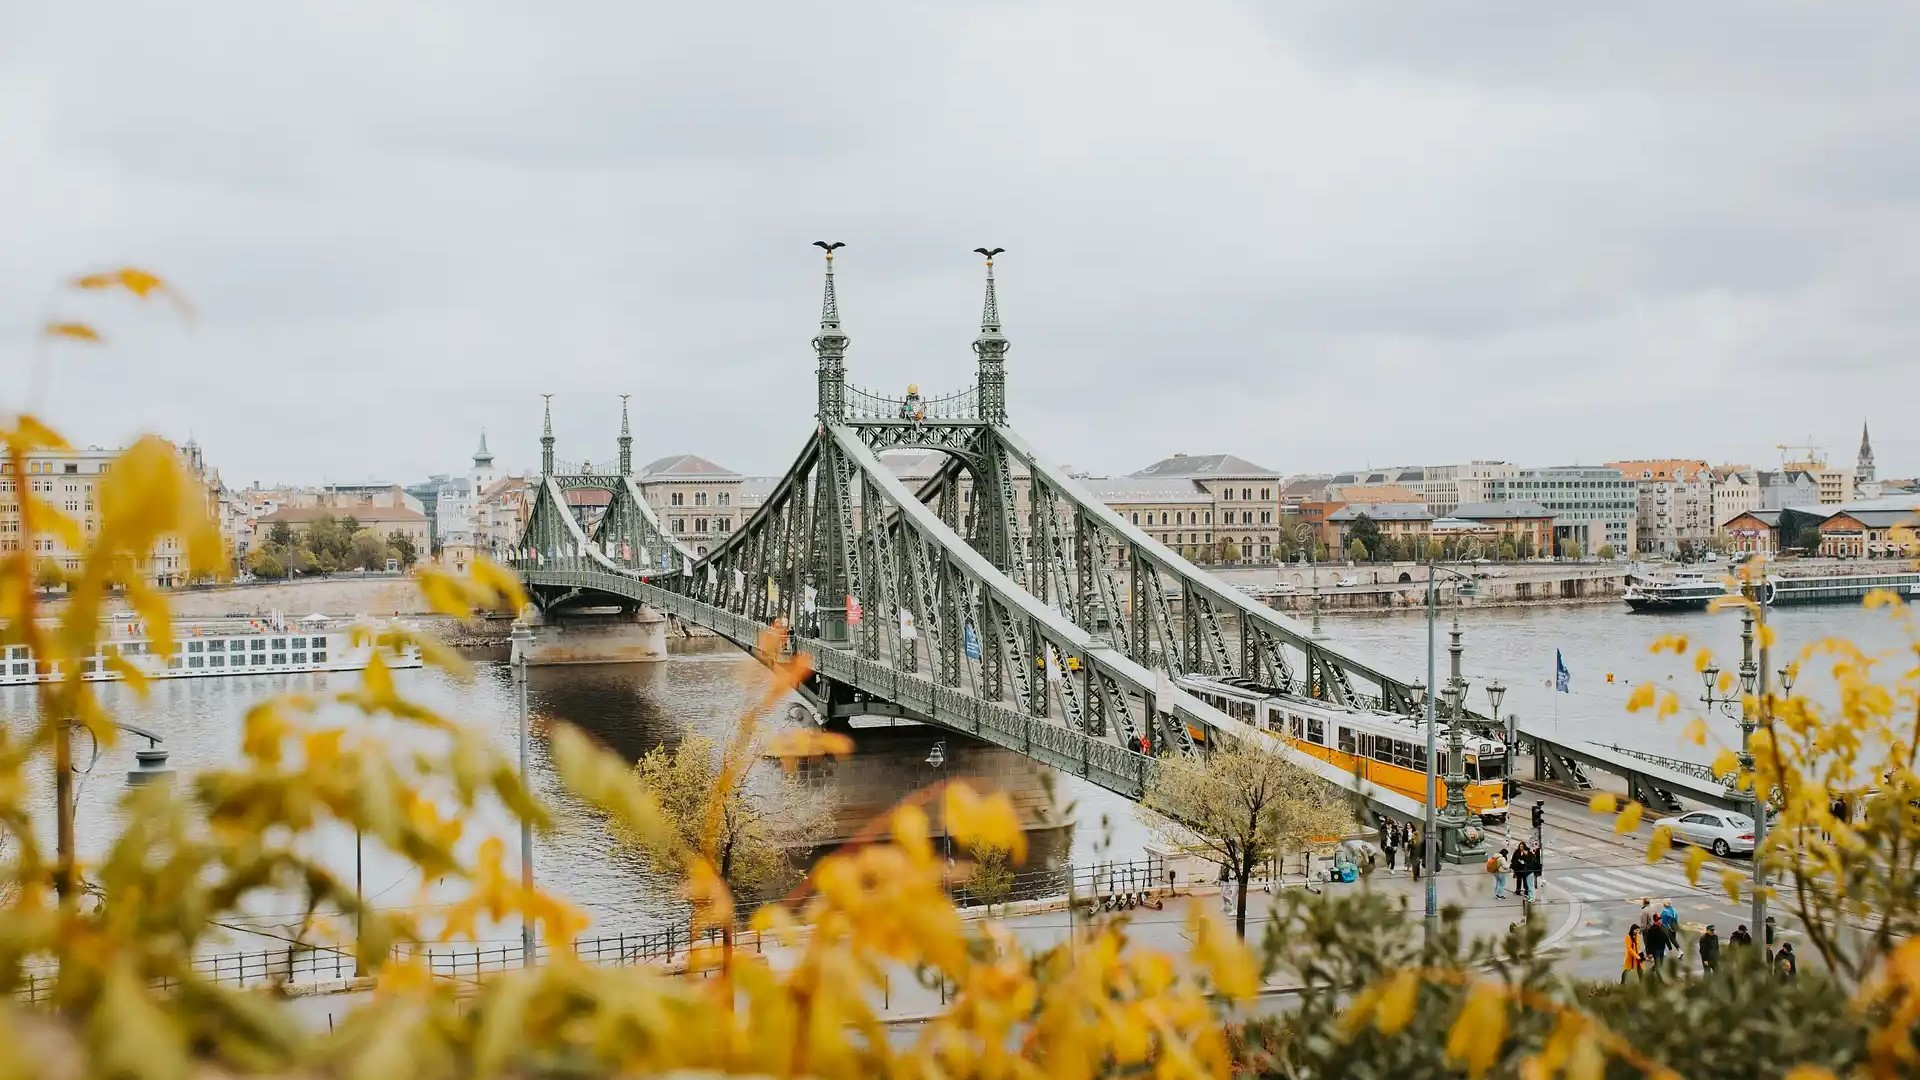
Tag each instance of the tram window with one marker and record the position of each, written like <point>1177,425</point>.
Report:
<point>1419,756</point>
<point>1316,731</point>
<point>1346,739</point>
<point>1403,754</point>
<point>1383,750</point>
<point>1299,728</point>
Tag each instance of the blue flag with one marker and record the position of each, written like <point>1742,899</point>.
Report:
<point>970,643</point>
<point>1562,678</point>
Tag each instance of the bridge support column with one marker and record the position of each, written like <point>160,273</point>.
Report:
<point>635,637</point>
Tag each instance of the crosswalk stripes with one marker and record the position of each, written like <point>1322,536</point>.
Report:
<point>1594,883</point>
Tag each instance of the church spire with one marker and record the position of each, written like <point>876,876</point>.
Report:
<point>1863,467</point>
<point>546,439</point>
<point>830,345</point>
<point>626,439</point>
<point>991,348</point>
<point>483,456</point>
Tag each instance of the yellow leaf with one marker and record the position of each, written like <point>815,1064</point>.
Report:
<point>378,679</point>
<point>1394,1011</point>
<point>1603,802</point>
<point>989,822</point>
<point>1702,659</point>
<point>1696,858</point>
<point>445,593</point>
<point>1730,880</point>
<point>1629,818</point>
<point>501,582</point>
<point>1641,697</point>
<point>1669,704</point>
<point>1724,762</point>
<point>1695,731</point>
<point>1481,1028</point>
<point>1661,843</point>
<point>74,331</point>
<point>799,744</point>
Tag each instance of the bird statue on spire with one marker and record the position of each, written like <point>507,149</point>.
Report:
<point>828,248</point>
<point>989,253</point>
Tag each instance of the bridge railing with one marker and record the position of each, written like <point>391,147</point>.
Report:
<point>867,405</point>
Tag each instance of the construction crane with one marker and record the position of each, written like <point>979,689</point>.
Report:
<point>1812,452</point>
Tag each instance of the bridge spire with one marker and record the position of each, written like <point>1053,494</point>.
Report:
<point>830,345</point>
<point>626,439</point>
<point>546,439</point>
<point>991,347</point>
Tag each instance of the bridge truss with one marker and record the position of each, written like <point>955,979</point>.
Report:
<point>999,598</point>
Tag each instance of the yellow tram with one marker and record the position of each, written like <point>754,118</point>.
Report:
<point>1385,748</point>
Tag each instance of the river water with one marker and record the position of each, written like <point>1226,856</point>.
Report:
<point>707,685</point>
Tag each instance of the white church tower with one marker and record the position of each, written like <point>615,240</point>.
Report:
<point>482,475</point>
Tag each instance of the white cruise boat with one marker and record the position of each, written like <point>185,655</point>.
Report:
<point>223,647</point>
<point>1686,590</point>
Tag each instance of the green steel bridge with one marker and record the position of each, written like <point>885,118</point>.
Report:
<point>999,599</point>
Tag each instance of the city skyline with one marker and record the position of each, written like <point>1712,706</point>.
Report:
<point>1548,240</point>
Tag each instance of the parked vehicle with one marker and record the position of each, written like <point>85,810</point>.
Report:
<point>1721,831</point>
<point>1346,582</point>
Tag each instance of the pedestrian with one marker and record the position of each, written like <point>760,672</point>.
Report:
<point>1742,937</point>
<point>1416,852</point>
<point>1709,950</point>
<point>1498,865</point>
<point>1649,915</point>
<point>1523,862</point>
<point>1655,939</point>
<point>1670,922</point>
<point>1635,956</point>
<point>1226,890</point>
<point>1390,842</point>
<point>1784,964</point>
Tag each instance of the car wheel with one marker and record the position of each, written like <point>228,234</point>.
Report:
<point>1721,849</point>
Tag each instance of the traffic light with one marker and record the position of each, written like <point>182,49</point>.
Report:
<point>1539,814</point>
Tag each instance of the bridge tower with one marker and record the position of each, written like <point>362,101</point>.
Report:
<point>991,349</point>
<point>832,487</point>
<point>546,438</point>
<point>626,439</point>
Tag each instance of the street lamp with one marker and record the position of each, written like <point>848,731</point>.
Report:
<point>1496,693</point>
<point>1306,534</point>
<point>521,640</point>
<point>1746,710</point>
<point>1430,853</point>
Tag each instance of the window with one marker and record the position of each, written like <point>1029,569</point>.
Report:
<point>320,656</point>
<point>196,661</point>
<point>217,661</point>
<point>196,646</point>
<point>216,646</point>
<point>699,498</point>
<point>678,498</point>
<point>722,525</point>
<point>1265,494</point>
<point>1299,725</point>
<point>699,525</point>
<point>1136,517</point>
<point>1246,517</point>
<point>72,469</point>
<point>259,645</point>
<point>723,499</point>
<point>1346,744</point>
<point>1266,517</point>
<point>279,658</point>
<point>1209,517</point>
<point>1163,517</point>
<point>299,658</point>
<point>679,525</point>
<point>1246,494</point>
<point>1316,731</point>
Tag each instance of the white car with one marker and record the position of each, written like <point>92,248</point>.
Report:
<point>1721,831</point>
<point>1346,583</point>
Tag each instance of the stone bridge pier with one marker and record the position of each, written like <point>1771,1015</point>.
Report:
<point>619,636</point>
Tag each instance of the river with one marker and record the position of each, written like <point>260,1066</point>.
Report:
<point>707,685</point>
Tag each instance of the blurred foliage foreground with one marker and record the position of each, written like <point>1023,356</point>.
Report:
<point>126,1000</point>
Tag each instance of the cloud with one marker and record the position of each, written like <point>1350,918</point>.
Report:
<point>1318,235</point>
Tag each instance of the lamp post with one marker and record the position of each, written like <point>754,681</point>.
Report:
<point>1455,817</point>
<point>1307,541</point>
<point>1496,693</point>
<point>937,758</point>
<point>521,640</point>
<point>1746,709</point>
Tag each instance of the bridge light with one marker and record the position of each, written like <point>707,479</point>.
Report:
<point>1495,694</point>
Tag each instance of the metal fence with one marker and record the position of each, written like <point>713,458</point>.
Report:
<point>666,946</point>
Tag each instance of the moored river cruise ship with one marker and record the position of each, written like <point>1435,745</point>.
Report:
<point>225,647</point>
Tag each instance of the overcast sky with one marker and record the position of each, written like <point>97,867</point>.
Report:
<point>1316,235</point>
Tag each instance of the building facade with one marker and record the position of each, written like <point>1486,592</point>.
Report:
<point>1245,497</point>
<point>1528,526</point>
<point>1593,505</point>
<point>1673,504</point>
<point>696,500</point>
<point>70,480</point>
<point>384,521</point>
<point>1736,491</point>
<point>1403,525</point>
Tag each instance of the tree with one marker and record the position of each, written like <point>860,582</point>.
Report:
<point>1319,551</point>
<point>1523,546</point>
<point>1242,805</point>
<point>404,548</point>
<point>1507,553</point>
<point>1571,549</point>
<point>991,880</point>
<point>1357,550</point>
<point>1229,551</point>
<point>48,575</point>
<point>1606,552</point>
<point>753,825</point>
<point>280,535</point>
<point>264,564</point>
<point>1367,531</point>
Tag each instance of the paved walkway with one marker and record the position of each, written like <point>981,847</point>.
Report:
<point>904,999</point>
